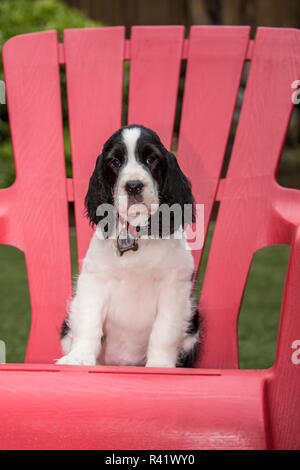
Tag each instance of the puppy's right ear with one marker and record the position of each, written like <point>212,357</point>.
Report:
<point>98,193</point>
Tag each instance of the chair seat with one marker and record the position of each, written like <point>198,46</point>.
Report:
<point>65,407</point>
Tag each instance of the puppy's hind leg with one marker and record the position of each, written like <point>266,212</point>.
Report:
<point>66,337</point>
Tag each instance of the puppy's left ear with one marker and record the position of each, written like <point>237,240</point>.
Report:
<point>98,193</point>
<point>176,189</point>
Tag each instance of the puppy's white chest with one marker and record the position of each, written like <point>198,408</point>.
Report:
<point>131,313</point>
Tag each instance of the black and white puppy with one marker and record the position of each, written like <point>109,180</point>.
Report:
<point>135,307</point>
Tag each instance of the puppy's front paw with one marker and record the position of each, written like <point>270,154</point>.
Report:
<point>158,363</point>
<point>77,360</point>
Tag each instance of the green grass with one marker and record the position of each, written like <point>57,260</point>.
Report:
<point>258,321</point>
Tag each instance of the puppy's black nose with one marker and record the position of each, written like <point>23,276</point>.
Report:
<point>134,187</point>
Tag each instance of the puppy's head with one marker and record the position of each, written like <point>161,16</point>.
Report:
<point>137,174</point>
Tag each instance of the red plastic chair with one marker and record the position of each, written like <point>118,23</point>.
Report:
<point>45,406</point>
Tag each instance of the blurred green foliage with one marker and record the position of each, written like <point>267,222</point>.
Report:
<point>25,16</point>
<point>257,326</point>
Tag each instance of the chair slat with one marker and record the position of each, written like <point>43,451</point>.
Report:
<point>247,219</point>
<point>94,70</point>
<point>216,58</point>
<point>154,74</point>
<point>36,208</point>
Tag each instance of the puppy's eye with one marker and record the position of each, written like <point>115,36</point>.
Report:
<point>115,163</point>
<point>150,160</point>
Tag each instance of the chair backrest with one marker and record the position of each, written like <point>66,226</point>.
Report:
<point>254,210</point>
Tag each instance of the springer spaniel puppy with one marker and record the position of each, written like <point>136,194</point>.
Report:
<point>134,304</point>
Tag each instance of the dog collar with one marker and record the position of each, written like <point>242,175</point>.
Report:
<point>127,239</point>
